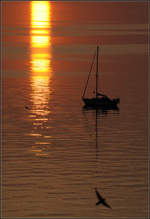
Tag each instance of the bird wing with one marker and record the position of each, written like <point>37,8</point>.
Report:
<point>98,195</point>
<point>107,205</point>
<point>99,202</point>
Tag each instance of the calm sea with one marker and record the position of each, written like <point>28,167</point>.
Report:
<point>52,156</point>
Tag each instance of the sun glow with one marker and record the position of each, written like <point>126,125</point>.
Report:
<point>40,65</point>
<point>40,14</point>
<point>40,54</point>
<point>40,38</point>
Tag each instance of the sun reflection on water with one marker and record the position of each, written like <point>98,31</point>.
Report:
<point>41,71</point>
<point>40,96</point>
<point>40,41</point>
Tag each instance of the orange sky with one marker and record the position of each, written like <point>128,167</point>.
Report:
<point>66,15</point>
<point>118,12</point>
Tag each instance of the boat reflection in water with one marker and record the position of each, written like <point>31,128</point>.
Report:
<point>98,113</point>
<point>102,111</point>
<point>41,72</point>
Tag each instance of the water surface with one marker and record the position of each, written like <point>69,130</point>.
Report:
<point>50,161</point>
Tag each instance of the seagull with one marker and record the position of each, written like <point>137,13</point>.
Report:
<point>101,199</point>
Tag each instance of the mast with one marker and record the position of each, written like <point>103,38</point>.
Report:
<point>89,76</point>
<point>97,73</point>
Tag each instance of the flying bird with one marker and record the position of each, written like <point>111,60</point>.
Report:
<point>101,199</point>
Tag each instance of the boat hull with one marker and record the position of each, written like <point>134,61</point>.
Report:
<point>103,103</point>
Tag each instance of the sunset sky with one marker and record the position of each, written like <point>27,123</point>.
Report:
<point>65,23</point>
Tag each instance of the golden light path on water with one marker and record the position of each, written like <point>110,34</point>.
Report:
<point>40,64</point>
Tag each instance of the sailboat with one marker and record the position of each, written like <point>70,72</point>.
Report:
<point>100,100</point>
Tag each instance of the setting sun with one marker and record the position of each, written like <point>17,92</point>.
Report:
<point>40,14</point>
<point>40,38</point>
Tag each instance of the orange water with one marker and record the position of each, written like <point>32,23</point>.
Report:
<point>50,163</point>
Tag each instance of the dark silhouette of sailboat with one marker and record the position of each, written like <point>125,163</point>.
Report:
<point>100,100</point>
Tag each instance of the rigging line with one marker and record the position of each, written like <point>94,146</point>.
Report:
<point>89,76</point>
